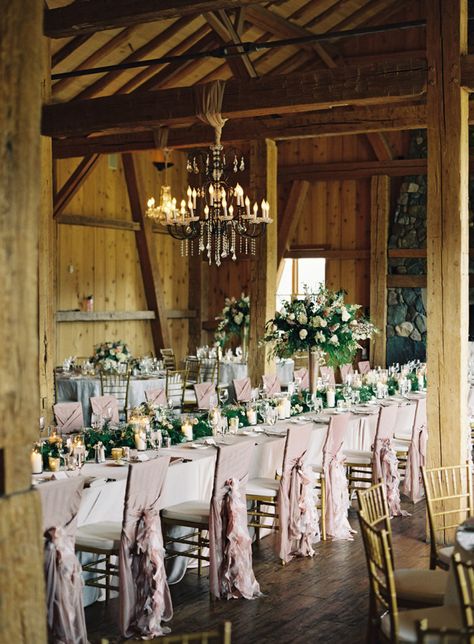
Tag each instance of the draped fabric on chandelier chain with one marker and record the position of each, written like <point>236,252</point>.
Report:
<point>208,104</point>
<point>160,137</point>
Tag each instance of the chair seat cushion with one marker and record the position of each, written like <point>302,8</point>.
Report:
<point>262,487</point>
<point>403,437</point>
<point>400,445</point>
<point>438,617</point>
<point>189,511</point>
<point>104,535</point>
<point>445,554</point>
<point>358,456</point>
<point>317,467</point>
<point>421,585</point>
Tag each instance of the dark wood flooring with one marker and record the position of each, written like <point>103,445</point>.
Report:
<point>323,599</point>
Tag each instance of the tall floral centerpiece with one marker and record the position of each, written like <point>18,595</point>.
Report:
<point>322,324</point>
<point>111,356</point>
<point>235,322</point>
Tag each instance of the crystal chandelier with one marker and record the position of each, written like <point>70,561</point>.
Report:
<point>166,208</point>
<point>216,218</point>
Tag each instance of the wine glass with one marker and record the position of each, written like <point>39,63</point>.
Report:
<point>96,421</point>
<point>271,415</point>
<point>309,400</point>
<point>223,395</point>
<point>347,394</point>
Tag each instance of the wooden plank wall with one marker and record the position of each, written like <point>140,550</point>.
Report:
<point>104,263</point>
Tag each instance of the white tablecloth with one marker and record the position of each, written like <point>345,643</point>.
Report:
<point>81,388</point>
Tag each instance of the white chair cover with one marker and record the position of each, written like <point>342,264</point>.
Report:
<point>416,457</point>
<point>156,396</point>
<point>328,372</point>
<point>204,392</point>
<point>303,374</point>
<point>243,389</point>
<point>364,367</point>
<point>272,384</point>
<point>385,462</point>
<point>101,404</point>
<point>69,417</point>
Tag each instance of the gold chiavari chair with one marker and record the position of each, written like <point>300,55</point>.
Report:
<point>169,359</point>
<point>428,635</point>
<point>414,587</point>
<point>464,575</point>
<point>386,622</point>
<point>192,368</point>
<point>221,635</point>
<point>175,386</point>
<point>449,502</point>
<point>116,385</point>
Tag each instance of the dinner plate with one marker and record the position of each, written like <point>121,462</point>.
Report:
<point>197,445</point>
<point>117,464</point>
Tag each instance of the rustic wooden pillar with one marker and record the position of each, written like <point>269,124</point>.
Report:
<point>47,261</point>
<point>263,181</point>
<point>447,235</point>
<point>22,607</point>
<point>379,217</point>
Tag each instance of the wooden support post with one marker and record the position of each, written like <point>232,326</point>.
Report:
<point>289,219</point>
<point>47,263</point>
<point>263,181</point>
<point>379,216</point>
<point>72,185</point>
<point>447,234</point>
<point>22,606</point>
<point>146,248</point>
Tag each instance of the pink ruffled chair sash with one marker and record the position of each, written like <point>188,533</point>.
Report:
<point>100,405</point>
<point>230,547</point>
<point>328,372</point>
<point>272,384</point>
<point>69,417</point>
<point>156,396</point>
<point>63,573</point>
<point>145,599</point>
<point>204,391</point>
<point>296,506</point>
<point>243,389</point>
<point>416,457</point>
<point>337,492</point>
<point>303,374</point>
<point>364,367</point>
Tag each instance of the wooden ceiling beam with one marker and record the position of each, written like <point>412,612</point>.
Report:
<point>353,170</point>
<point>101,83</point>
<point>380,146</point>
<point>335,122</point>
<point>88,17</point>
<point>68,49</point>
<point>382,83</point>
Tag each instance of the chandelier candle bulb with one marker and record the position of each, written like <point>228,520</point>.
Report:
<point>247,206</point>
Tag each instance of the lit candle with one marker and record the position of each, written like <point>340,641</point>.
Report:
<point>140,441</point>
<point>206,212</point>
<point>36,461</point>
<point>331,398</point>
<point>255,210</point>
<point>252,416</point>
<point>247,205</point>
<point>287,407</point>
<point>194,193</point>
<point>238,194</point>
<point>187,430</point>
<point>281,410</point>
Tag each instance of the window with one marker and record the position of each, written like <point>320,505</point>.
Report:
<point>298,272</point>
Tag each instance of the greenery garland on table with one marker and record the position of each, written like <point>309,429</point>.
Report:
<point>320,321</point>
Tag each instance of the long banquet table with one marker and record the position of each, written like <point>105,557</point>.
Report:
<point>190,476</point>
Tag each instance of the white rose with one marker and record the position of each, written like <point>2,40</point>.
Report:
<point>302,318</point>
<point>322,322</point>
<point>291,316</point>
<point>238,318</point>
<point>320,336</point>
<point>303,333</point>
<point>334,340</point>
<point>345,315</point>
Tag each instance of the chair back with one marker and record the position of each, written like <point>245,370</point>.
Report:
<point>156,396</point>
<point>328,373</point>
<point>296,446</point>
<point>464,575</point>
<point>420,420</point>
<point>301,360</point>
<point>449,502</point>
<point>405,422</point>
<point>175,381</point>
<point>337,429</point>
<point>209,371</point>
<point>383,596</point>
<point>272,384</point>
<point>60,502</point>
<point>142,572</point>
<point>373,505</point>
<point>243,389</point>
<point>193,367</point>
<point>364,367</point>
<point>426,634</point>
<point>303,375</point>
<point>105,407</point>
<point>204,393</point>
<point>169,359</point>
<point>386,422</point>
<point>116,385</point>
<point>345,370</point>
<point>69,416</point>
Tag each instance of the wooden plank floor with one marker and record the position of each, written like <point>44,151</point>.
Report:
<point>323,599</point>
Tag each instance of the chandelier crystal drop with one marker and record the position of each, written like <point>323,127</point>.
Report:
<point>216,218</point>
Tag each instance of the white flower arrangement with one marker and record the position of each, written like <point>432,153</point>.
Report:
<point>108,355</point>
<point>234,320</point>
